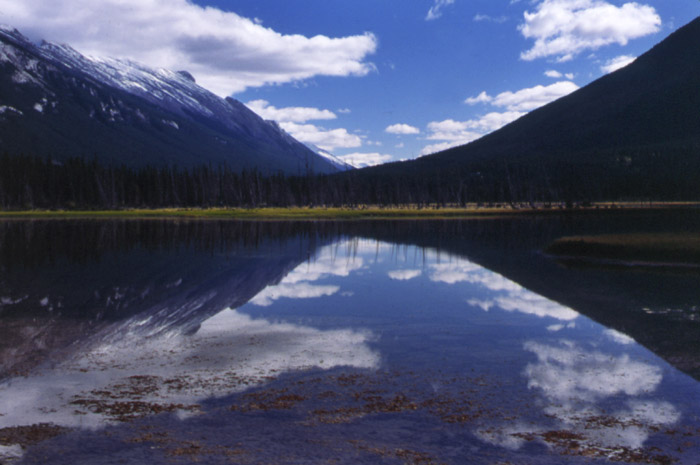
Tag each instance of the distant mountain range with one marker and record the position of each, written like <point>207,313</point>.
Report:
<point>55,102</point>
<point>632,133</point>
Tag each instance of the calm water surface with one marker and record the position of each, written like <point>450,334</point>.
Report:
<point>428,342</point>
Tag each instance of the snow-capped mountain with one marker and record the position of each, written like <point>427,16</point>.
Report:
<point>57,102</point>
<point>340,164</point>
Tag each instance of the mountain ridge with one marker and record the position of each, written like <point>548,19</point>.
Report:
<point>60,103</point>
<point>632,133</point>
<point>618,93</point>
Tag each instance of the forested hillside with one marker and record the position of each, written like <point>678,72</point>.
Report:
<point>28,182</point>
<point>634,133</point>
<point>631,135</point>
<point>58,103</point>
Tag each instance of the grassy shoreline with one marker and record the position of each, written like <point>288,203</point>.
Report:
<point>636,248</point>
<point>337,213</point>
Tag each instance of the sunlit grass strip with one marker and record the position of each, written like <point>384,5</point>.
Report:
<point>266,213</point>
<point>640,247</point>
<point>337,213</point>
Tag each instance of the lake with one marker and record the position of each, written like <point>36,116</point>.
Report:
<point>407,342</point>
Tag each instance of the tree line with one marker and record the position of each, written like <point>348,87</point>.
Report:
<point>28,182</point>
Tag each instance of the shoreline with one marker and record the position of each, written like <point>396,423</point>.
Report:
<point>346,213</point>
<point>660,250</point>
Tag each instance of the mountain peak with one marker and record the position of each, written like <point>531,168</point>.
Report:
<point>187,75</point>
<point>12,33</point>
<point>342,166</point>
<point>126,112</point>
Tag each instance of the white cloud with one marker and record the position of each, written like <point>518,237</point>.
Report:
<point>526,302</point>
<point>452,273</point>
<point>402,129</point>
<point>565,28</point>
<point>617,336</point>
<point>326,139</point>
<point>529,303</point>
<point>362,160</point>
<point>292,291</point>
<point>404,275</point>
<point>451,130</point>
<point>436,10</point>
<point>465,271</point>
<point>490,19</point>
<point>457,133</point>
<point>568,373</point>
<point>323,266</point>
<point>529,98</point>
<point>577,384</point>
<point>483,97</point>
<point>344,111</point>
<point>231,344</point>
<point>289,114</point>
<point>501,292</point>
<point>495,120</point>
<point>226,52</point>
<point>299,283</point>
<point>533,97</point>
<point>554,74</point>
<point>616,63</point>
<point>434,148</point>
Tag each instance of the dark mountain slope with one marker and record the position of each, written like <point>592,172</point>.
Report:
<point>639,126</point>
<point>56,102</point>
<point>653,101</point>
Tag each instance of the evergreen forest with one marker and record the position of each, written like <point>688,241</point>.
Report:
<point>37,183</point>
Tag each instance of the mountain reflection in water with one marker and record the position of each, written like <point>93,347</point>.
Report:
<point>208,334</point>
<point>133,375</point>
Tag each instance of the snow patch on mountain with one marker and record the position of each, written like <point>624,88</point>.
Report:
<point>337,162</point>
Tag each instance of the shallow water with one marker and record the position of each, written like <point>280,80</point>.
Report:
<point>428,342</point>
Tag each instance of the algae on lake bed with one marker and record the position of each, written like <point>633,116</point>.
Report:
<point>666,248</point>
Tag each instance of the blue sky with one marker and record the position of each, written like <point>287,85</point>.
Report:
<point>370,80</point>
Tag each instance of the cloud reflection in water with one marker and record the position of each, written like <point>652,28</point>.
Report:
<point>298,283</point>
<point>567,373</point>
<point>603,399</point>
<point>300,290</point>
<point>620,338</point>
<point>404,275</point>
<point>230,352</point>
<point>503,293</point>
